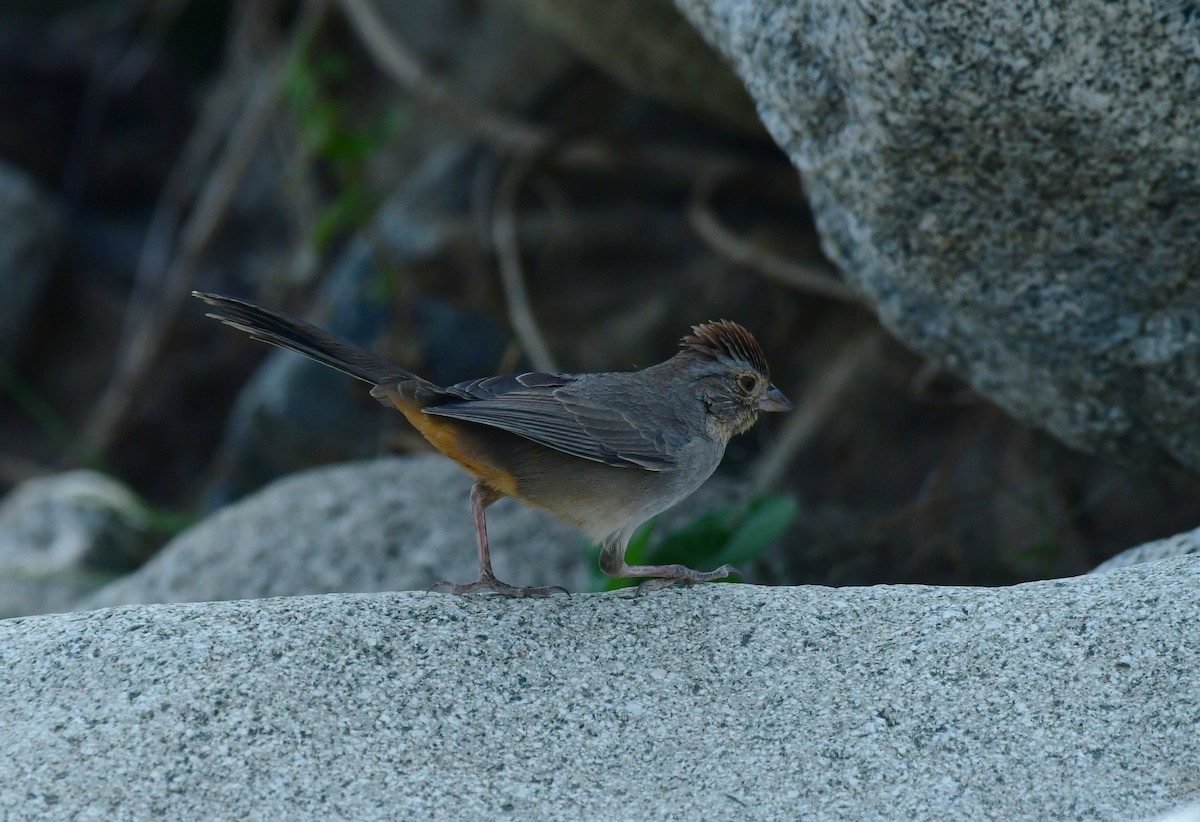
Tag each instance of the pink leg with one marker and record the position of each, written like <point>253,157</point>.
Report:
<point>482,496</point>
<point>612,562</point>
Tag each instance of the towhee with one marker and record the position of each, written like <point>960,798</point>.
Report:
<point>604,452</point>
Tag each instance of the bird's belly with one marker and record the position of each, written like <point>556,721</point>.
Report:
<point>600,499</point>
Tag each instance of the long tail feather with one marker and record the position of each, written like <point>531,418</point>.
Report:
<point>295,334</point>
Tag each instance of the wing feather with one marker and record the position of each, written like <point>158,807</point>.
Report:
<point>537,406</point>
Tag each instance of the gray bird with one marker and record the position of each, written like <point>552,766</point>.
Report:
<point>603,452</point>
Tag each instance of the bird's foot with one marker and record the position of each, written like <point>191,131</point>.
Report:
<point>490,583</point>
<point>665,576</point>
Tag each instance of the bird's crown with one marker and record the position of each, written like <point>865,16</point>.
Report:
<point>723,339</point>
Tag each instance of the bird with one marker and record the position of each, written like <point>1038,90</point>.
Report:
<point>602,451</point>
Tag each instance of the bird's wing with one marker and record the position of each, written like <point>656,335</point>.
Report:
<point>541,408</point>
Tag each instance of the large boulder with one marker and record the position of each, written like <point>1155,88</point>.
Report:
<point>1071,699</point>
<point>1014,185</point>
<point>391,524</point>
<point>1179,545</point>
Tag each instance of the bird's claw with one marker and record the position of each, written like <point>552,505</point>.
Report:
<point>687,577</point>
<point>490,583</point>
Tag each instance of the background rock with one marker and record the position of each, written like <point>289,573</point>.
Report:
<point>1177,546</point>
<point>386,525</point>
<point>29,236</point>
<point>1015,188</point>
<point>65,535</point>
<point>1071,699</point>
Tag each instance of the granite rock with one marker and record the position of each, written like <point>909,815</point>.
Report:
<point>383,525</point>
<point>65,535</point>
<point>1179,545</point>
<point>1069,699</point>
<point>397,523</point>
<point>1014,186</point>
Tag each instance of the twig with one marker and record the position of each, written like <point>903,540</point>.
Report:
<point>147,324</point>
<point>212,126</point>
<point>511,135</point>
<point>113,51</point>
<point>398,62</point>
<point>816,404</point>
<point>118,67</point>
<point>507,244</point>
<point>815,279</point>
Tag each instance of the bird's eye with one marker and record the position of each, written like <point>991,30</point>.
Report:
<point>748,382</point>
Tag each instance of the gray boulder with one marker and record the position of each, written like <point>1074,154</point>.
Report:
<point>385,525</point>
<point>1072,699</point>
<point>393,524</point>
<point>1015,186</point>
<point>29,236</point>
<point>64,536</point>
<point>1179,545</point>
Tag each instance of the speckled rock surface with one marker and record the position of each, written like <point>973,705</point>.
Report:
<point>1185,544</point>
<point>65,535</point>
<point>1014,185</point>
<point>1073,699</point>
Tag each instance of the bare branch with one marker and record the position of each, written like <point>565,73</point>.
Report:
<point>156,301</point>
<point>815,279</point>
<point>396,60</point>
<point>505,240</point>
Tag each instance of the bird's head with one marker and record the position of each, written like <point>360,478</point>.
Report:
<point>730,372</point>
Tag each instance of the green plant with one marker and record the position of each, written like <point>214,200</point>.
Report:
<point>727,534</point>
<point>342,140</point>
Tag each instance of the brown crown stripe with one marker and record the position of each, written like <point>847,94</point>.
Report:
<point>723,338</point>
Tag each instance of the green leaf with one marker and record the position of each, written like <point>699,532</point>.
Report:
<point>764,521</point>
<point>635,552</point>
<point>694,542</point>
<point>725,534</point>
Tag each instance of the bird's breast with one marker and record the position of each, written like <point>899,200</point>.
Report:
<point>601,499</point>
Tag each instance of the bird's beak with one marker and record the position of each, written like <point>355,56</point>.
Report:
<point>774,400</point>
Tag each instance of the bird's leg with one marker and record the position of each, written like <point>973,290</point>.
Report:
<point>612,562</point>
<point>483,495</point>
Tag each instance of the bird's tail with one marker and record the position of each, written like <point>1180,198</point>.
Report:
<point>295,334</point>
